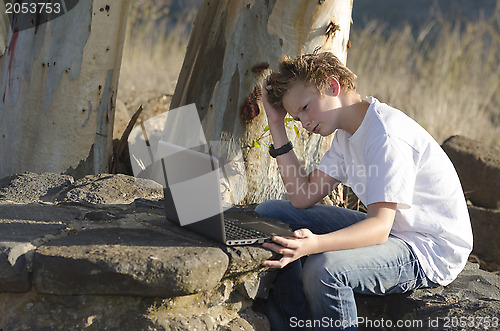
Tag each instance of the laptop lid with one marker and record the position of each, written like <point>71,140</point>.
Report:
<point>192,189</point>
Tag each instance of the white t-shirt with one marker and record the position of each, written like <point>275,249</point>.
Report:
<point>390,158</point>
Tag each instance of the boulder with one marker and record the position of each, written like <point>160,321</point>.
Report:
<point>471,302</point>
<point>121,261</point>
<point>486,230</point>
<point>478,167</point>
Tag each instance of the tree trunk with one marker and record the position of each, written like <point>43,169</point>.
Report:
<point>232,45</point>
<point>58,83</point>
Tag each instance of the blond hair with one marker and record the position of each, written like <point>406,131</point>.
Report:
<point>312,69</point>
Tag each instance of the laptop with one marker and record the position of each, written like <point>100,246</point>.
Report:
<point>193,200</point>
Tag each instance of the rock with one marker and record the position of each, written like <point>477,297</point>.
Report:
<point>99,253</point>
<point>13,267</point>
<point>256,285</point>
<point>245,258</point>
<point>31,187</point>
<point>112,189</point>
<point>85,256</point>
<point>33,311</point>
<point>127,262</point>
<point>478,167</point>
<point>213,310</point>
<point>21,228</point>
<point>29,222</point>
<point>258,321</point>
<point>486,230</point>
<point>473,297</point>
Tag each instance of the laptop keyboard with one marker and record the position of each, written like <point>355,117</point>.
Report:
<point>234,231</point>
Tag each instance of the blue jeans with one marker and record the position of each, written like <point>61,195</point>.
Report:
<point>321,293</point>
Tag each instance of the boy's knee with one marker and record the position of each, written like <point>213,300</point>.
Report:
<point>272,208</point>
<point>316,274</point>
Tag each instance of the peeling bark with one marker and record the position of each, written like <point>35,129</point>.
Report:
<point>58,83</point>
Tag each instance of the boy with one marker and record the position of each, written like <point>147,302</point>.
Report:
<point>416,232</point>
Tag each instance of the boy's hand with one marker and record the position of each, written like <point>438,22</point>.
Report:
<point>274,115</point>
<point>304,243</point>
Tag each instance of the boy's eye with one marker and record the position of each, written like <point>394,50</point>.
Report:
<point>305,107</point>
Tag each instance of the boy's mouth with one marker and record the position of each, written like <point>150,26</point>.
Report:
<point>316,129</point>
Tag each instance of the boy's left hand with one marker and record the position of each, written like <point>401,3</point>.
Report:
<point>304,243</point>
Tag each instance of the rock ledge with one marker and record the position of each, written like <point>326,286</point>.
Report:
<point>99,252</point>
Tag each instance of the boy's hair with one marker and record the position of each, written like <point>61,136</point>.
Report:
<point>312,69</point>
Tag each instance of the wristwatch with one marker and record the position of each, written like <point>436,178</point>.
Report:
<point>280,151</point>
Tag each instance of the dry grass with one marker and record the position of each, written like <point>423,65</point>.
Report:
<point>446,75</point>
<point>154,50</point>
<point>152,58</point>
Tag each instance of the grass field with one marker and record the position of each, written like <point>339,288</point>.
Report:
<point>445,73</point>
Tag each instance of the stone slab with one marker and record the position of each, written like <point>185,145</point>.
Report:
<point>21,228</point>
<point>34,223</point>
<point>247,258</point>
<point>127,262</point>
<point>21,222</point>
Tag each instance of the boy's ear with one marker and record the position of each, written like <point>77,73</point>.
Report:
<point>333,86</point>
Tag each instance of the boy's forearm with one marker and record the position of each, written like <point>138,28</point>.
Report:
<point>368,232</point>
<point>278,134</point>
<point>292,173</point>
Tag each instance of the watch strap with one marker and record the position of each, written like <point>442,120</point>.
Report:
<point>275,152</point>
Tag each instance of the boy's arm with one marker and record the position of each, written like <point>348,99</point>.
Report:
<point>373,230</point>
<point>303,189</point>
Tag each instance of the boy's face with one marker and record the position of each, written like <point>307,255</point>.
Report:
<point>317,112</point>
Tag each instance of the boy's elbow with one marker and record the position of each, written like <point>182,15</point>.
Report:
<point>382,240</point>
<point>384,236</point>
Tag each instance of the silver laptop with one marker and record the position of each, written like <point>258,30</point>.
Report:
<point>193,200</point>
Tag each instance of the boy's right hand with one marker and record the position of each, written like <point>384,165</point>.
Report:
<point>275,116</point>
<point>303,243</point>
